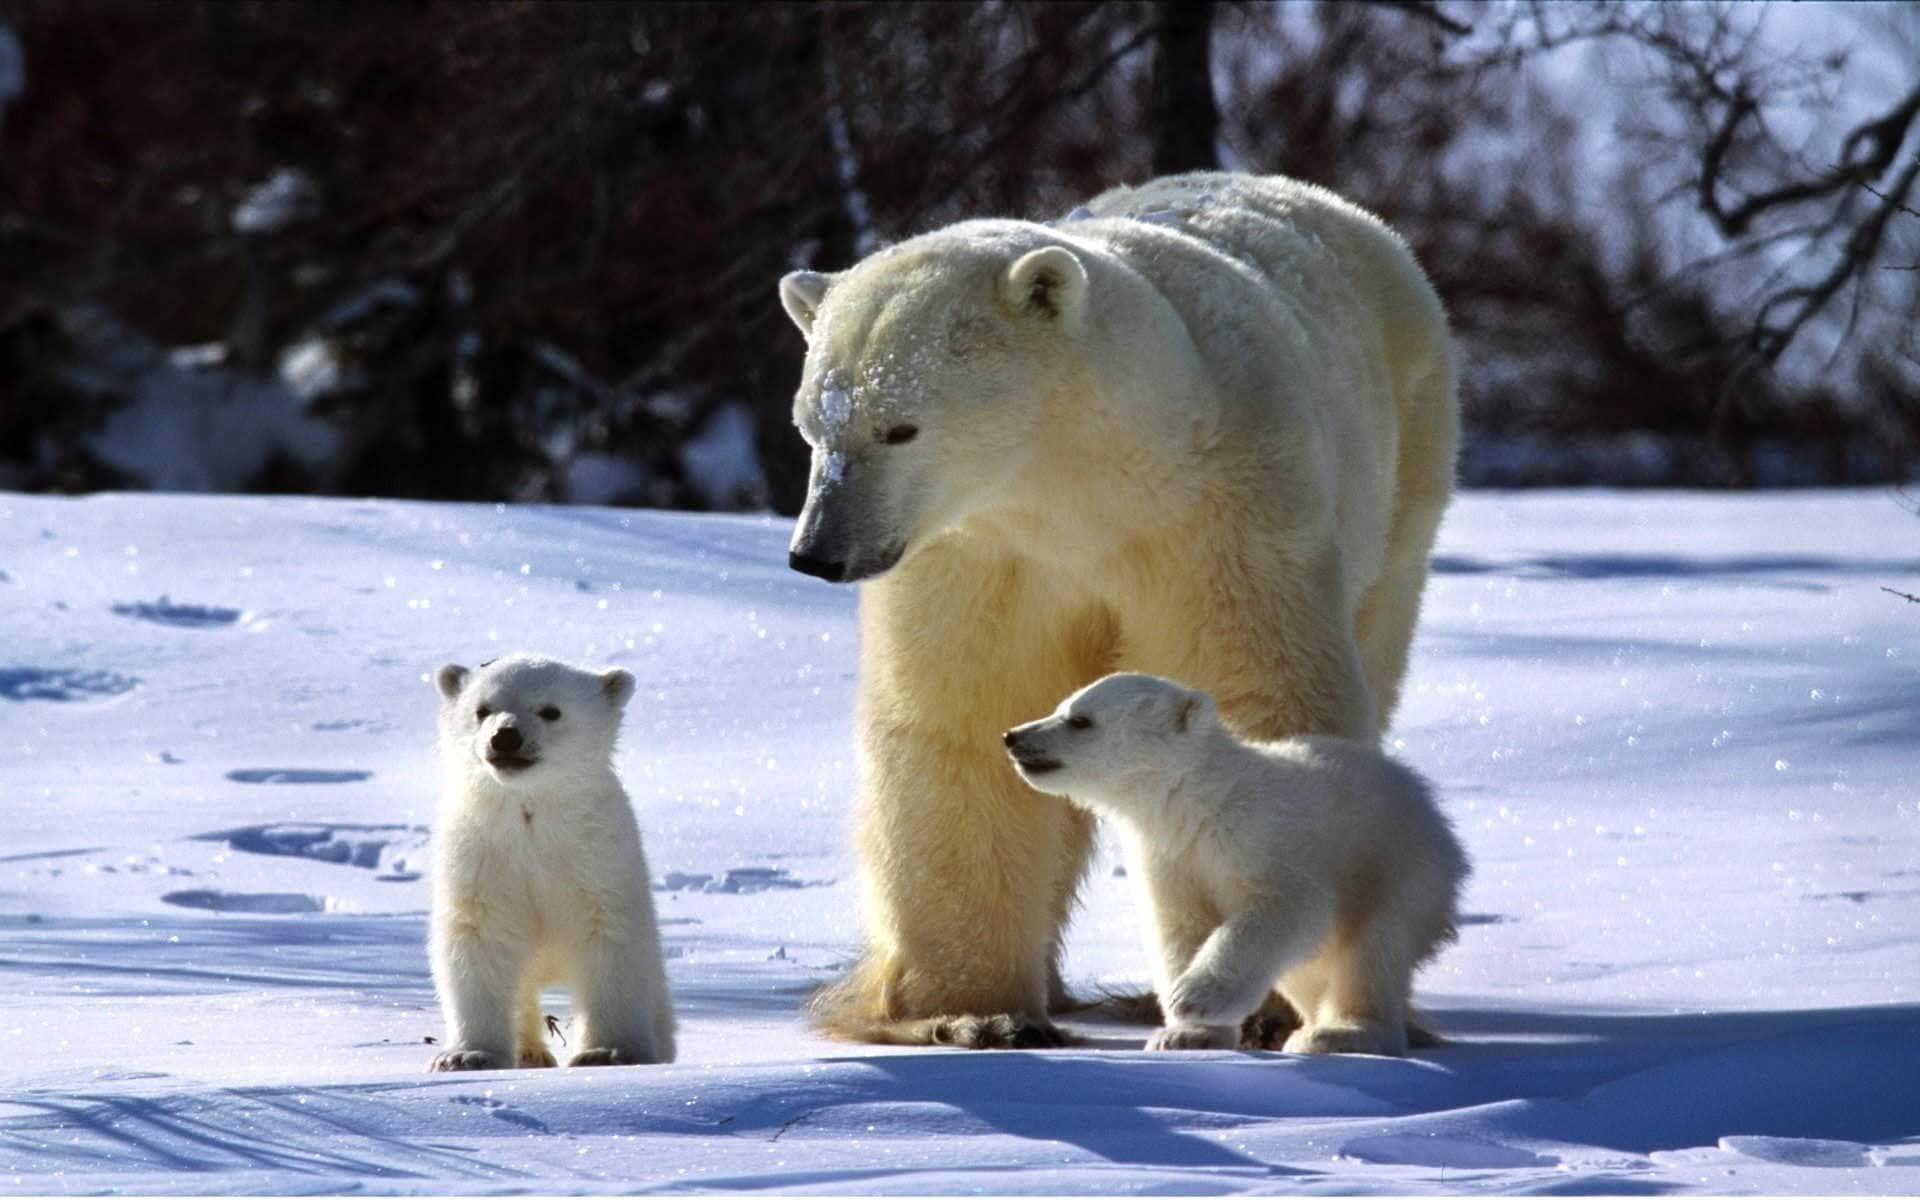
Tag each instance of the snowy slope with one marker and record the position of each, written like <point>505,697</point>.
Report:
<point>1677,732</point>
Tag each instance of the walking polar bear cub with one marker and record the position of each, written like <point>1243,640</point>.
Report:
<point>1204,428</point>
<point>1316,865</point>
<point>538,873</point>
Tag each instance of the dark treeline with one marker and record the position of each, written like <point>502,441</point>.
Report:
<point>482,245</point>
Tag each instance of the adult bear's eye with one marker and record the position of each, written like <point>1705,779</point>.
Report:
<point>900,435</point>
<point>1079,722</point>
<point>482,713</point>
<point>549,713</point>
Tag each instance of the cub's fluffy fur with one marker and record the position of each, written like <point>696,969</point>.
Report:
<point>1314,865</point>
<point>538,873</point>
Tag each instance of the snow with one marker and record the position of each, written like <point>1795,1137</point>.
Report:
<point>723,463</point>
<point>311,367</point>
<point>190,424</point>
<point>835,412</point>
<point>836,406</point>
<point>593,478</point>
<point>833,469</point>
<point>1677,733</point>
<point>284,198</point>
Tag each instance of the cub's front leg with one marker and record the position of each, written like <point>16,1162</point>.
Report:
<point>620,986</point>
<point>477,978</point>
<point>1235,968</point>
<point>1179,921</point>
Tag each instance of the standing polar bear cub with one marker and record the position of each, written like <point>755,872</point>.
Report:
<point>1314,865</point>
<point>538,874</point>
<point>1203,428</point>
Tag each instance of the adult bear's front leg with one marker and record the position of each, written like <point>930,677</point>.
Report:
<point>961,865</point>
<point>964,867</point>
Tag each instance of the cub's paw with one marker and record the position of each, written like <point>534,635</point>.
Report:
<point>613,1056</point>
<point>537,1056</point>
<point>1346,1039</point>
<point>1194,1037</point>
<point>1000,1031</point>
<point>465,1060</point>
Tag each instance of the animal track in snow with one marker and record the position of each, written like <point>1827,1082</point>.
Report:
<point>499,1111</point>
<point>62,685</point>
<point>281,903</point>
<point>390,849</point>
<point>346,724</point>
<point>1466,1153</point>
<point>181,616</point>
<point>1798,1151</point>
<point>738,881</point>
<point>295,775</point>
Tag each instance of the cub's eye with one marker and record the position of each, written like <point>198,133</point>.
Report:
<point>1079,722</point>
<point>549,713</point>
<point>482,713</point>
<point>900,435</point>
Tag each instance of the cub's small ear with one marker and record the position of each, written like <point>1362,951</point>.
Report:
<point>1189,708</point>
<point>618,685</point>
<point>800,294</point>
<point>1049,282</point>
<point>450,679</point>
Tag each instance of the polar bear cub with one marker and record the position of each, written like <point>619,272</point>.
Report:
<point>1314,865</point>
<point>538,874</point>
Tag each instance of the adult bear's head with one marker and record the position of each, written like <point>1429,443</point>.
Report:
<point>929,371</point>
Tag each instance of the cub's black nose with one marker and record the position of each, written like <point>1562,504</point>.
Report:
<point>819,568</point>
<point>505,739</point>
<point>1010,737</point>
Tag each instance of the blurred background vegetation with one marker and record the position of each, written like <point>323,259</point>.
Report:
<point>529,250</point>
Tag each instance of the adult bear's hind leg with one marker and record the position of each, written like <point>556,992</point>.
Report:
<point>1423,484</point>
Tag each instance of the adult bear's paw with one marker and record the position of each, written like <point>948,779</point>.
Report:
<point>999,1031</point>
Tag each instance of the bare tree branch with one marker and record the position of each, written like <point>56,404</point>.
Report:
<point>1426,10</point>
<point>1884,137</point>
<point>1862,245</point>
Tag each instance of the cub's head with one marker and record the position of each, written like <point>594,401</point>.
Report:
<point>522,719</point>
<point>1116,744</point>
<point>929,369</point>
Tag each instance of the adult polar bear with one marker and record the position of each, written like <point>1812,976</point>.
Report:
<point>1203,429</point>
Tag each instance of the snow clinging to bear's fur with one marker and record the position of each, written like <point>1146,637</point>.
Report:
<point>833,468</point>
<point>836,405</point>
<point>836,413</point>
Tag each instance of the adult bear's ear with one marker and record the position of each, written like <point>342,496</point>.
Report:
<point>1049,282</point>
<point>800,294</point>
<point>450,679</point>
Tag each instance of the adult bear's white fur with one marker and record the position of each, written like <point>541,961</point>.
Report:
<point>538,873</point>
<point>1207,431</point>
<point>1315,865</point>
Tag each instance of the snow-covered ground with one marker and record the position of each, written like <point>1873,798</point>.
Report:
<point>1678,733</point>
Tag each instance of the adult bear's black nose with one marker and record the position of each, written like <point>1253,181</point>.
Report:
<point>1010,737</point>
<point>819,568</point>
<point>506,739</point>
